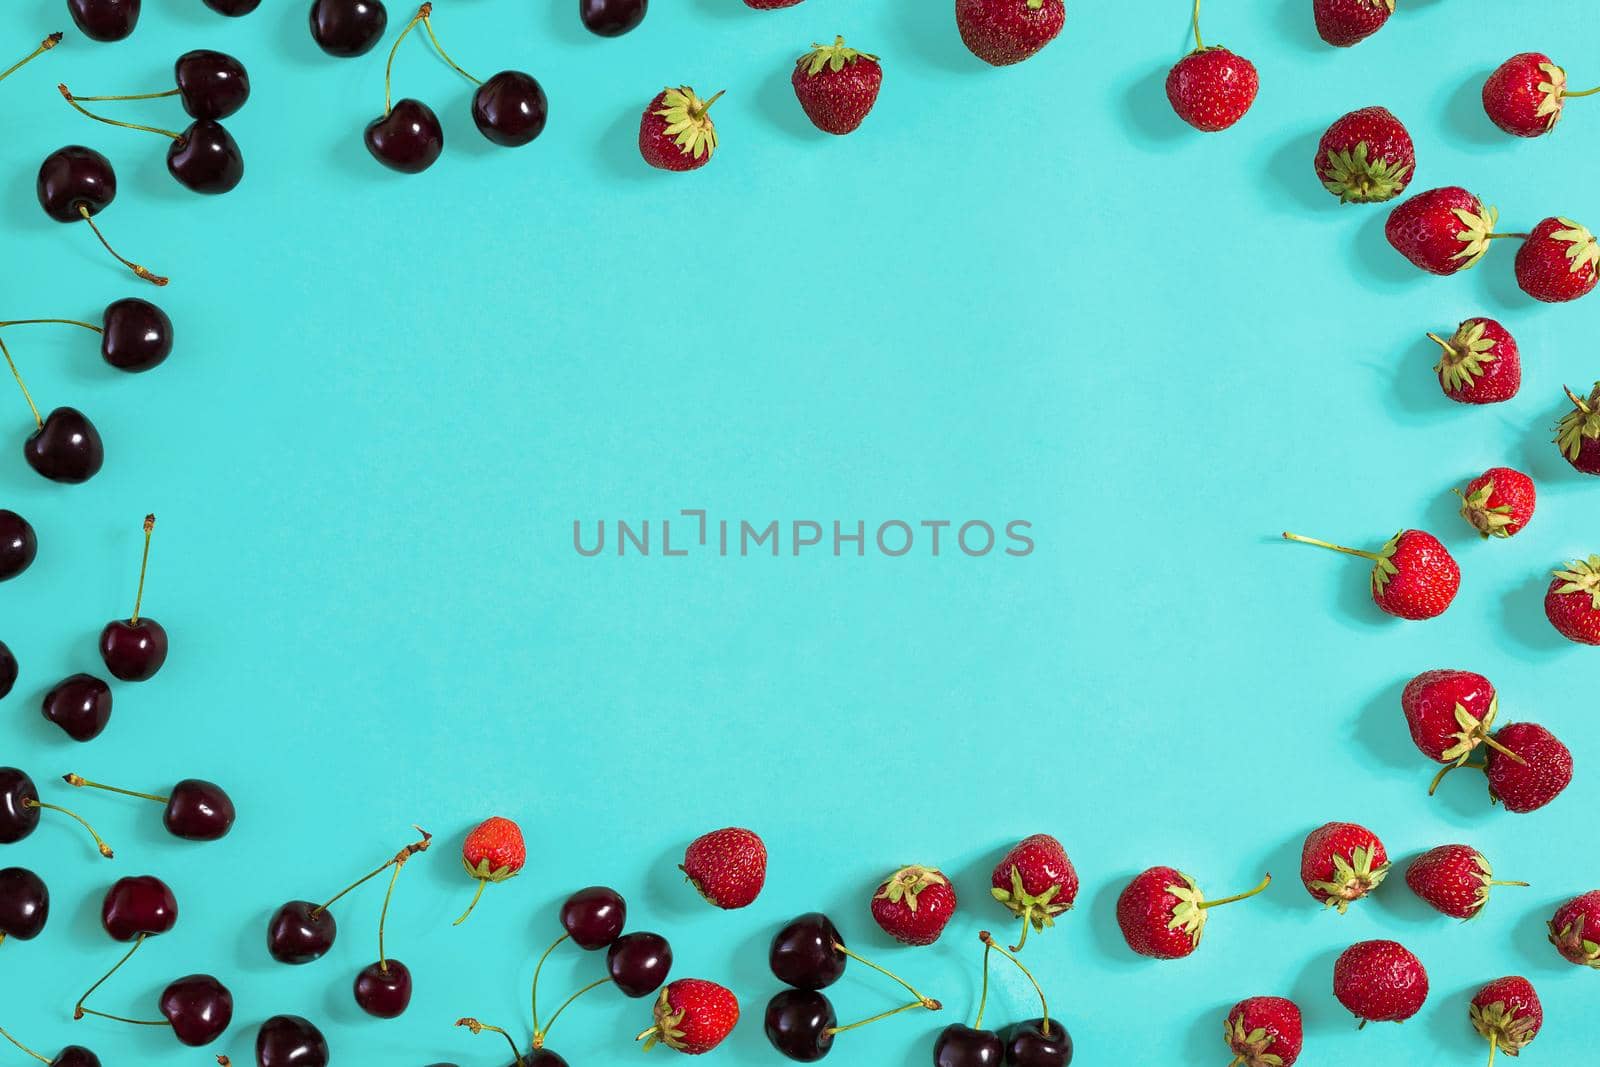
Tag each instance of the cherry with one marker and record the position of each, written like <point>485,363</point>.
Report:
<point>197,810</point>
<point>300,931</point>
<point>135,335</point>
<point>639,963</point>
<point>538,1057</point>
<point>78,183</point>
<point>383,989</point>
<point>233,8</point>
<point>801,1024</point>
<point>65,446</point>
<point>211,85</point>
<point>18,547</point>
<point>1029,1044</point>
<point>44,46</point>
<point>406,137</point>
<point>105,20</point>
<point>138,907</point>
<point>198,1007</point>
<point>24,904</point>
<point>20,806</point>
<point>71,1056</point>
<point>612,18</point>
<point>8,670</point>
<point>348,27</point>
<point>808,953</point>
<point>135,648</point>
<point>510,108</point>
<point>594,917</point>
<point>290,1041</point>
<point>964,1046</point>
<point>80,705</point>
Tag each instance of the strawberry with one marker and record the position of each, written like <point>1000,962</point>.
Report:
<point>675,132</point>
<point>1366,157</point>
<point>1524,95</point>
<point>1413,575</point>
<point>1557,261</point>
<point>1442,230</point>
<point>1481,363</point>
<point>1163,913</point>
<point>1508,1014</point>
<point>1342,862</point>
<point>769,5</point>
<point>1036,881</point>
<point>1380,982</point>
<point>1343,23</point>
<point>836,85</point>
<point>1454,879</point>
<point>1575,930</point>
<point>492,852</point>
<point>1002,32</point>
<point>1499,502</point>
<point>1573,601</point>
<point>1211,88</point>
<point>1264,1032</point>
<point>1527,767</point>
<point>692,1016</point>
<point>1450,713</point>
<point>913,905</point>
<point>728,867</point>
<point>1579,432</point>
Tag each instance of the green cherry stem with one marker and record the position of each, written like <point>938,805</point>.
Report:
<point>21,1046</point>
<point>983,998</point>
<point>534,996</point>
<point>130,96</point>
<point>62,322</point>
<point>44,46</point>
<point>1246,895</point>
<point>477,1028</point>
<point>399,857</point>
<point>875,1018</point>
<point>105,849</point>
<point>427,24</point>
<point>83,783</point>
<point>79,1011</point>
<point>66,94</point>
<point>1199,45</point>
<point>21,384</point>
<point>926,1002</point>
<point>140,271</point>
<point>1329,544</point>
<point>388,68</point>
<point>540,1034</point>
<point>144,565</point>
<point>1044,1008</point>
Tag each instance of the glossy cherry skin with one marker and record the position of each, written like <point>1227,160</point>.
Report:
<point>8,670</point>
<point>66,448</point>
<point>206,159</point>
<point>133,651</point>
<point>24,903</point>
<point>198,810</point>
<point>384,990</point>
<point>75,1056</point>
<point>408,139</point>
<point>136,335</point>
<point>290,1041</point>
<point>799,1023</point>
<point>74,179</point>
<point>962,1046</point>
<point>139,905</point>
<point>199,1008</point>
<point>80,705</point>
<point>348,27</point>
<point>212,85</point>
<point>1027,1045</point>
<point>18,816</point>
<point>638,963</point>
<point>510,108</point>
<point>542,1057</point>
<point>233,8</point>
<point>105,20</point>
<point>298,933</point>
<point>594,917</point>
<point>803,953</point>
<point>18,545</point>
<point>612,18</point>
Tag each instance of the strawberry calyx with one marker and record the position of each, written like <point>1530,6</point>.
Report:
<point>1486,881</point>
<point>1383,567</point>
<point>833,56</point>
<point>1356,179</point>
<point>1583,251</point>
<point>1353,878</point>
<point>1250,1047</point>
<point>1573,945</point>
<point>1498,1023</point>
<point>1554,88</point>
<point>1583,421</point>
<point>1464,356</point>
<point>1473,732</point>
<point>1476,233</point>
<point>668,1028</point>
<point>1582,577</point>
<point>1488,521</point>
<point>1035,910</point>
<point>688,123</point>
<point>1189,914</point>
<point>485,873</point>
<point>904,885</point>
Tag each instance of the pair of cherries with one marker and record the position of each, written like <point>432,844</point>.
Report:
<point>1041,1042</point>
<point>196,810</point>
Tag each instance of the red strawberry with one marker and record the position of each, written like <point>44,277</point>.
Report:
<point>1536,770</point>
<point>1342,862</point>
<point>1508,1014</point>
<point>1579,432</point>
<point>1002,32</point>
<point>1163,913</point>
<point>1211,88</point>
<point>1264,1032</point>
<point>1380,982</point>
<point>836,85</point>
<point>1557,262</point>
<point>1343,23</point>
<point>1450,713</point>
<point>728,867</point>
<point>913,904</point>
<point>1413,575</point>
<point>1036,881</point>
<point>1366,157</point>
<point>1442,230</point>
<point>493,852</point>
<point>1481,363</point>
<point>769,5</point>
<point>1524,94</point>
<point>1575,929</point>
<point>675,132</point>
<point>1499,502</point>
<point>692,1016</point>
<point>1454,879</point>
<point>1573,601</point>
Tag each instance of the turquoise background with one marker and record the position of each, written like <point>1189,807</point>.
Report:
<point>1014,294</point>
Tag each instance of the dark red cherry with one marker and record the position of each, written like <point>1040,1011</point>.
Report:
<point>80,705</point>
<point>212,85</point>
<point>206,159</point>
<point>24,904</point>
<point>612,18</point>
<point>19,811</point>
<point>105,20</point>
<point>65,447</point>
<point>141,905</point>
<point>962,1046</point>
<point>299,933</point>
<point>74,178</point>
<point>233,8</point>
<point>8,670</point>
<point>804,952</point>
<point>800,1024</point>
<point>75,1056</point>
<point>384,989</point>
<point>510,108</point>
<point>136,335</point>
<point>198,810</point>
<point>348,27</point>
<point>1028,1045</point>
<point>290,1041</point>
<point>408,139</point>
<point>638,963</point>
<point>199,1008</point>
<point>542,1057</point>
<point>133,651</point>
<point>594,917</point>
<point>18,546</point>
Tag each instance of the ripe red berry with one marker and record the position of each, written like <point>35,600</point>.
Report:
<point>1442,230</point>
<point>1499,502</point>
<point>1579,432</point>
<point>692,1016</point>
<point>1343,23</point>
<point>914,904</point>
<point>1528,767</point>
<point>1507,1014</point>
<point>1002,32</point>
<point>1162,912</point>
<point>493,852</point>
<point>1525,94</point>
<point>1481,363</point>
<point>1413,575</point>
<point>1572,604</point>
<point>1264,1032</point>
<point>1450,713</point>
<point>1557,261</point>
<point>1342,862</point>
<point>1036,881</point>
<point>676,132</point>
<point>1366,157</point>
<point>1380,981</point>
<point>728,867</point>
<point>1575,930</point>
<point>1454,879</point>
<point>836,85</point>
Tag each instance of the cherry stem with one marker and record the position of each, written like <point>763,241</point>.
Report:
<point>1566,94</point>
<point>62,322</point>
<point>79,1011</point>
<point>872,1019</point>
<point>144,565</point>
<point>105,849</point>
<point>477,1028</point>
<point>45,46</point>
<point>143,272</point>
<point>66,94</point>
<point>534,998</point>
<point>13,1040</point>
<point>983,999</point>
<point>400,857</point>
<point>475,898</point>
<point>399,863</point>
<point>1329,544</point>
<point>926,1002</point>
<point>1199,45</point>
<point>1044,1008</point>
<point>131,96</point>
<point>84,783</point>
<point>427,24</point>
<point>388,68</point>
<point>540,1035</point>
<point>21,384</point>
<point>1238,896</point>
